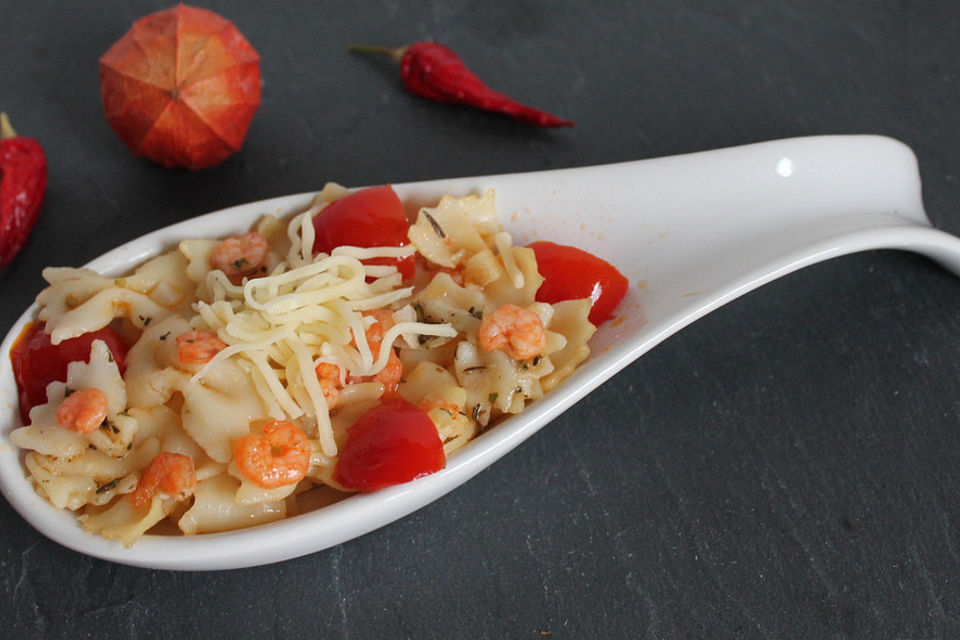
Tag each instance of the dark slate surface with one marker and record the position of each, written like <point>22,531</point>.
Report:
<point>783,468</point>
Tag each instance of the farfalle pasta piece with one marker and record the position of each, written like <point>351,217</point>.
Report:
<point>79,301</point>
<point>46,435</point>
<point>435,390</point>
<point>443,300</point>
<point>215,508</point>
<point>503,290</point>
<point>451,232</point>
<point>165,425</point>
<point>123,522</point>
<point>153,373</point>
<point>70,482</point>
<point>163,279</point>
<point>218,409</point>
<point>570,320</point>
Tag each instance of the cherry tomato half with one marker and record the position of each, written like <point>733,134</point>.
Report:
<point>392,443</point>
<point>37,362</point>
<point>371,217</point>
<point>570,273</point>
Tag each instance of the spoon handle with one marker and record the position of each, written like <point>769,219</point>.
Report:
<point>699,230</point>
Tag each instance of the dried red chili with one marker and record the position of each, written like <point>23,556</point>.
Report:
<point>23,181</point>
<point>433,71</point>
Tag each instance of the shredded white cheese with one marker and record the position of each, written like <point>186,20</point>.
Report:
<point>271,323</point>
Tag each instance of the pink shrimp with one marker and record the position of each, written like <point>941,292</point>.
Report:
<point>279,457</point>
<point>198,347</point>
<point>390,375</point>
<point>240,257</point>
<point>516,330</point>
<point>172,474</point>
<point>383,322</point>
<point>83,411</point>
<point>392,372</point>
<point>329,376</point>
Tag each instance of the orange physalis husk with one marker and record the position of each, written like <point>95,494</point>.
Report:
<point>181,87</point>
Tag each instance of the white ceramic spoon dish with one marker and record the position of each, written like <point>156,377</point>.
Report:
<point>691,233</point>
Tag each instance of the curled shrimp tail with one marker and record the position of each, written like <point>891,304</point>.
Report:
<point>172,474</point>
<point>278,457</point>
<point>513,329</point>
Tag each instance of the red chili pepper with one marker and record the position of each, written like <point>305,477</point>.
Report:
<point>433,71</point>
<point>23,181</point>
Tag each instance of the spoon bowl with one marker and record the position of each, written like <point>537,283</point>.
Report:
<point>691,232</point>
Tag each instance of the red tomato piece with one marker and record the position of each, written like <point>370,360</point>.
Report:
<point>37,362</point>
<point>371,217</point>
<point>570,274</point>
<point>392,443</point>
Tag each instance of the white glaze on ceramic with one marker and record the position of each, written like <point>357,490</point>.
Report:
<point>691,233</point>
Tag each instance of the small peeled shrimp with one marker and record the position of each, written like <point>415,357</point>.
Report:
<point>198,347</point>
<point>83,411</point>
<point>172,474</point>
<point>383,322</point>
<point>241,256</point>
<point>329,376</point>
<point>516,330</point>
<point>279,457</point>
<point>391,373</point>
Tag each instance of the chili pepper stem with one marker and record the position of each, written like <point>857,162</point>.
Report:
<point>6,129</point>
<point>395,54</point>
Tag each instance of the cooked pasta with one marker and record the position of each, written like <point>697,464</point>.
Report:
<point>252,358</point>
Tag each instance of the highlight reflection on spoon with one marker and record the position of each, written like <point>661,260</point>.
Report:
<point>691,233</point>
